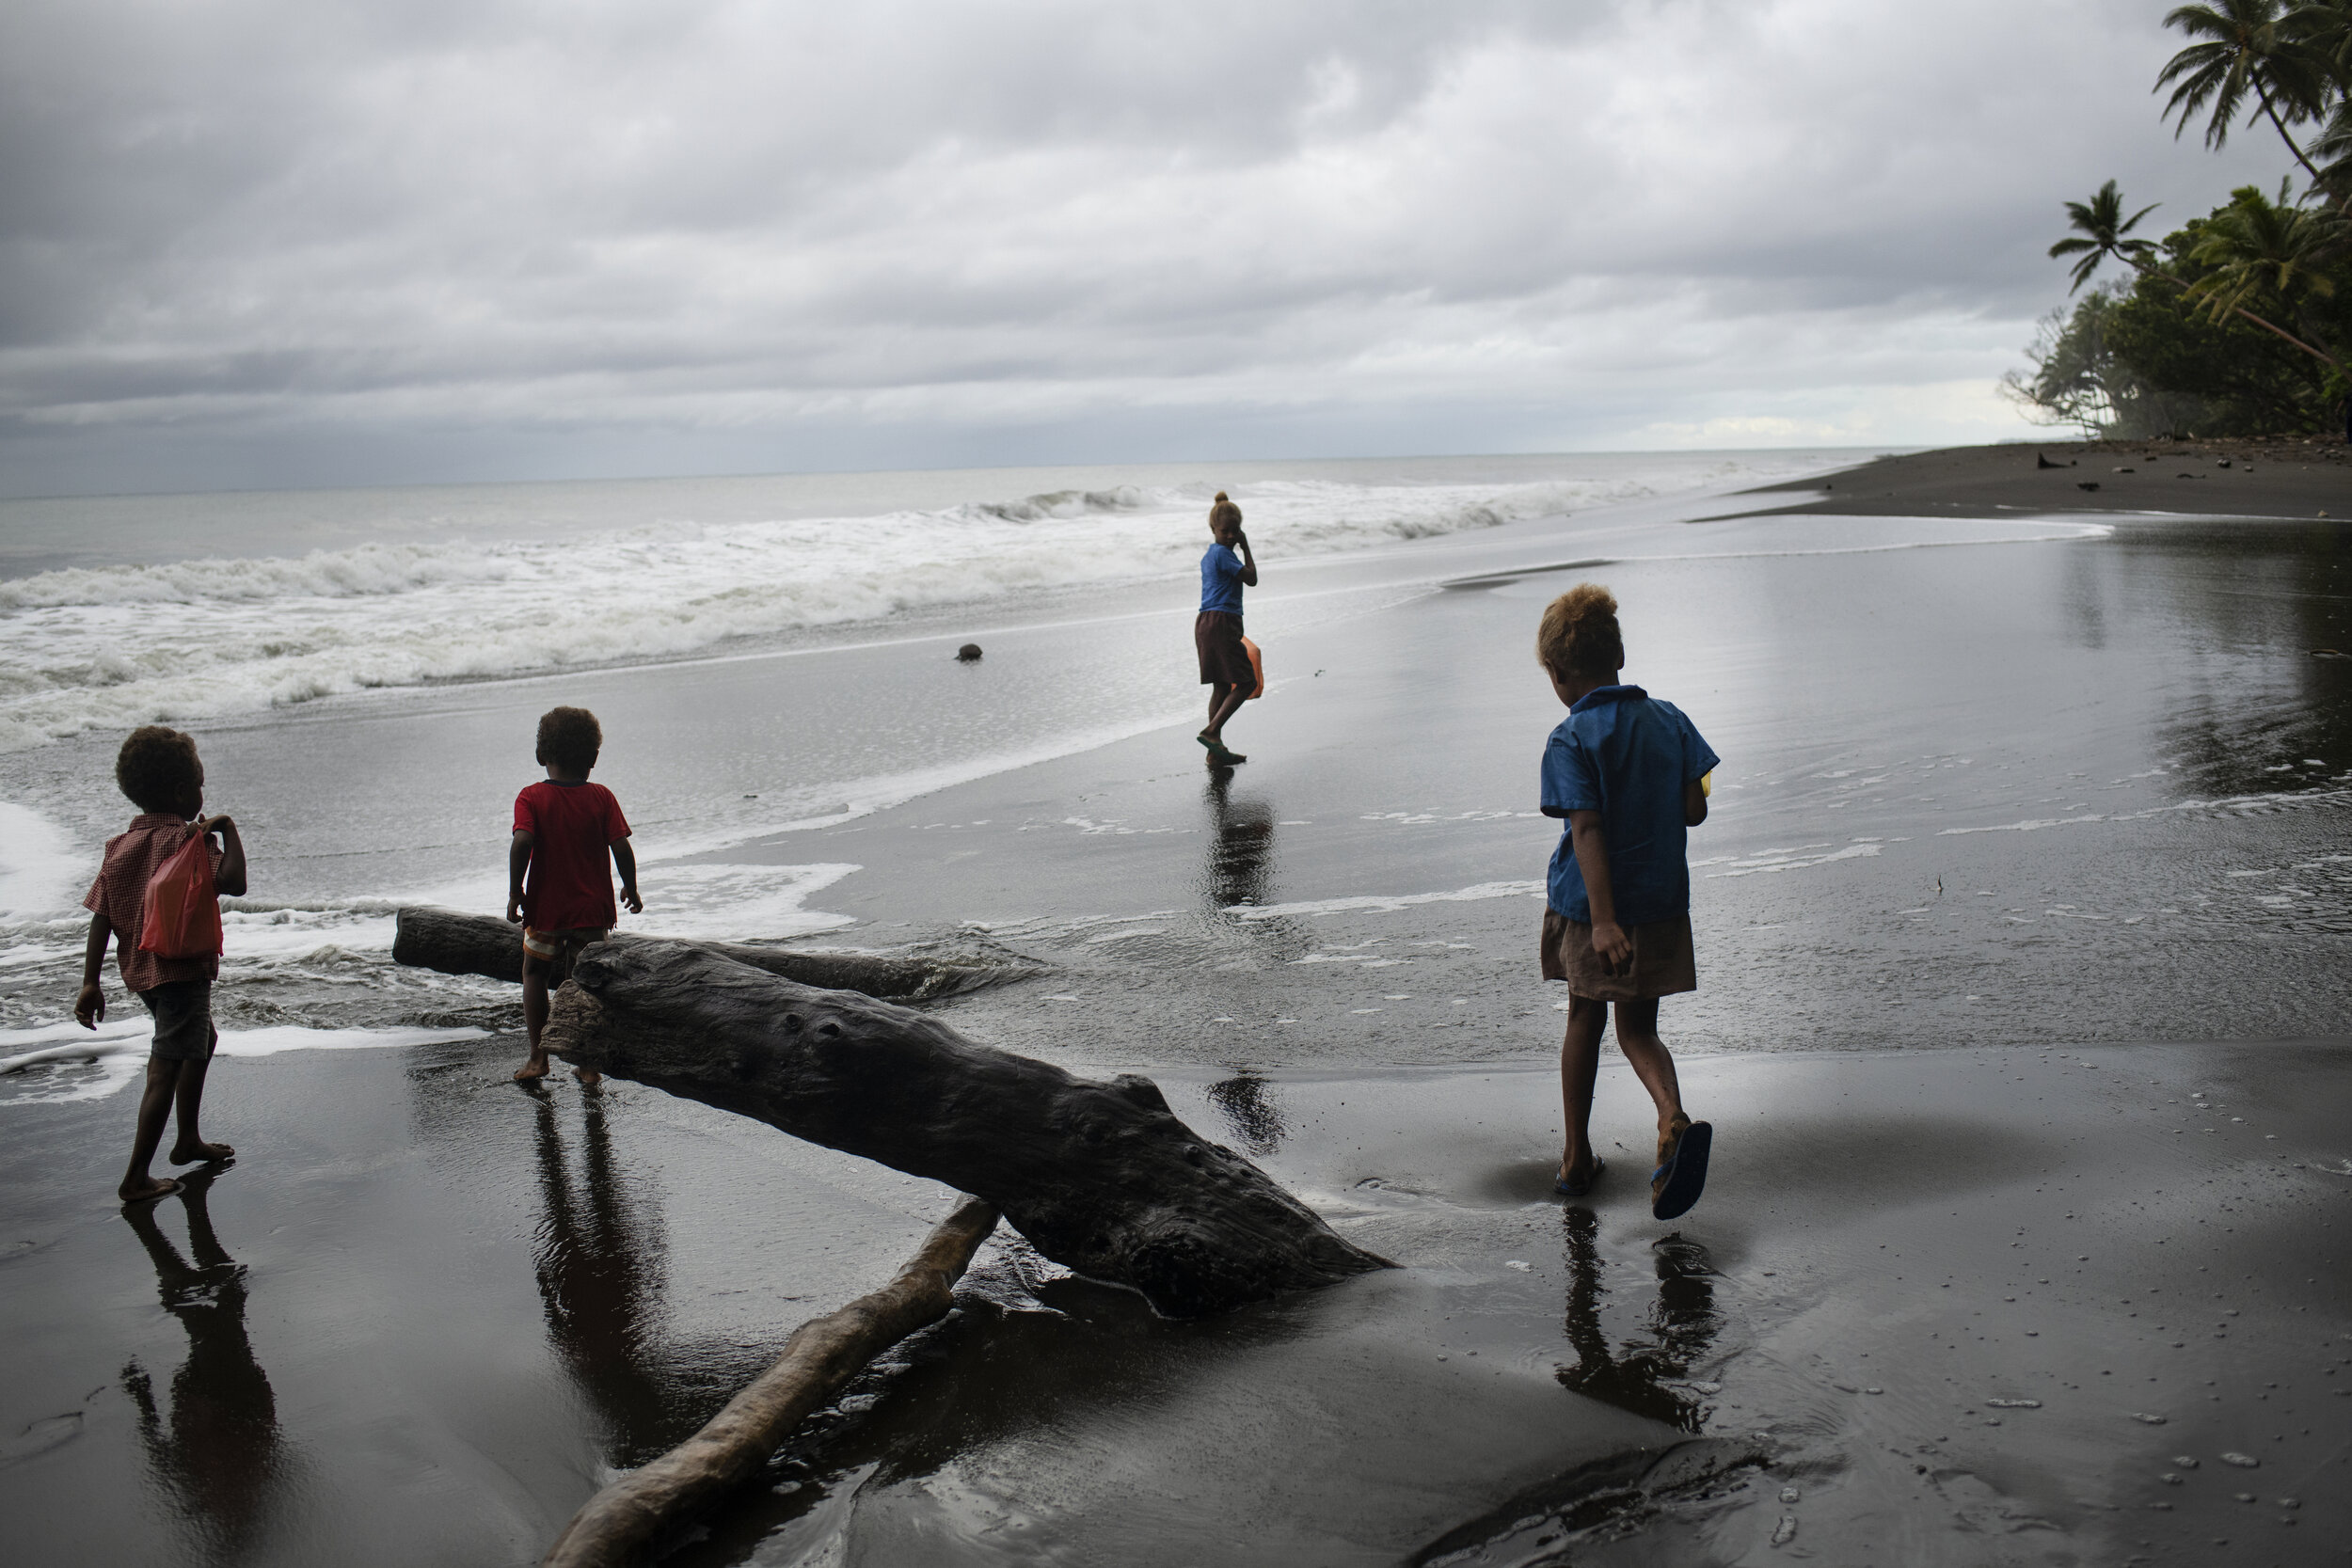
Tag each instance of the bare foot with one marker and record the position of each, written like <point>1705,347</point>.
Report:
<point>147,1191</point>
<point>531,1070</point>
<point>588,1076</point>
<point>188,1155</point>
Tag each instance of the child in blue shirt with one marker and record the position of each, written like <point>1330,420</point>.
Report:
<point>1628,772</point>
<point>1216,632</point>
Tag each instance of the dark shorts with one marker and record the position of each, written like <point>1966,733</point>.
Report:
<point>557,950</point>
<point>1217,637</point>
<point>184,1020</point>
<point>1662,961</point>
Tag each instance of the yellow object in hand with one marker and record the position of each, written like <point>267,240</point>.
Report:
<point>1707,782</point>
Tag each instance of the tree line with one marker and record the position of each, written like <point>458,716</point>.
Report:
<point>2238,323</point>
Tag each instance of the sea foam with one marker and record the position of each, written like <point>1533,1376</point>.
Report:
<point>110,647</point>
<point>64,1062</point>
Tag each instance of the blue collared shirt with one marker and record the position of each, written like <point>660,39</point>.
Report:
<point>1626,754</point>
<point>1221,579</point>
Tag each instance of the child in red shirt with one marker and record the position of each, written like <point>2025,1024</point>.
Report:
<point>564,826</point>
<point>158,769</point>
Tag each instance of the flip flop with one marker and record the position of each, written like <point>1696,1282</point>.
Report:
<point>1220,757</point>
<point>1567,1187</point>
<point>1677,1183</point>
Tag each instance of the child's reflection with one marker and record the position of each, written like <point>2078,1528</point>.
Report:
<point>1239,870</point>
<point>217,1457</point>
<point>1641,1373</point>
<point>600,1280</point>
<point>1241,852</point>
<point>1248,1102</point>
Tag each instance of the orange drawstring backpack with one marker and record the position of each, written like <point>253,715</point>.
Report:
<point>182,908</point>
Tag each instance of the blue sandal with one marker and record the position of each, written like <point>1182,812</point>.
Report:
<point>1567,1188</point>
<point>1677,1181</point>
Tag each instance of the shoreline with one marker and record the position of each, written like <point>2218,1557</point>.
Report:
<point>2233,477</point>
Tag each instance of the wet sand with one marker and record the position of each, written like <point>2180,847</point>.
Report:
<point>425,1325</point>
<point>2022,920</point>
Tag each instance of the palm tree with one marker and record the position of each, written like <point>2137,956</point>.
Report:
<point>2249,46</point>
<point>2333,146</point>
<point>2325,28</point>
<point>2255,244</point>
<point>2104,232</point>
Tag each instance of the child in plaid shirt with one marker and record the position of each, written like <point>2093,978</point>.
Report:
<point>158,769</point>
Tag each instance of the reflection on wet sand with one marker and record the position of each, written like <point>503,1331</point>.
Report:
<point>602,1279</point>
<point>2252,710</point>
<point>1239,870</point>
<point>1247,1104</point>
<point>1641,1375</point>
<point>218,1458</point>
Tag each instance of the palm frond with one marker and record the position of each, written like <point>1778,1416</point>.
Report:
<point>2282,60</point>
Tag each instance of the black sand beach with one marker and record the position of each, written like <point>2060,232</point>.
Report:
<point>2022,925</point>
<point>2229,477</point>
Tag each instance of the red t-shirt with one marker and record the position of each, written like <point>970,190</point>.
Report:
<point>572,827</point>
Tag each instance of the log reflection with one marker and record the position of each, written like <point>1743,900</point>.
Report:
<point>217,1456</point>
<point>601,1280</point>
<point>1642,1373</point>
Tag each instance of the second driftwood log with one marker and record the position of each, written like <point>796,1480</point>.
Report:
<point>1100,1177</point>
<point>618,1524</point>
<point>458,944</point>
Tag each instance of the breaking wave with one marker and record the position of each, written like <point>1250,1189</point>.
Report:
<point>116,647</point>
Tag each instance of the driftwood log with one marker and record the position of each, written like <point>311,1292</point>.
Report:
<point>456,944</point>
<point>618,1524</point>
<point>1100,1177</point>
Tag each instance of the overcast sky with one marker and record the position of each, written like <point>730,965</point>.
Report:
<point>293,242</point>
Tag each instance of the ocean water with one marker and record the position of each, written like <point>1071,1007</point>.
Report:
<point>195,607</point>
<point>356,665</point>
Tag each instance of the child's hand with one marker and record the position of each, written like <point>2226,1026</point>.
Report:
<point>89,1009</point>
<point>222,824</point>
<point>629,896</point>
<point>1614,947</point>
<point>514,910</point>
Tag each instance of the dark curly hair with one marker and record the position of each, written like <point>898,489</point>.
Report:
<point>569,738</point>
<point>158,769</point>
<point>1578,635</point>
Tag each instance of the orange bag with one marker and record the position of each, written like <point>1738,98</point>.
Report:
<point>182,918</point>
<point>1257,666</point>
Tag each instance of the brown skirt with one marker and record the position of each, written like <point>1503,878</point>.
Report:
<point>1217,637</point>
<point>1662,965</point>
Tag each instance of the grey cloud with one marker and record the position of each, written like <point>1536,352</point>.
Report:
<point>915,228</point>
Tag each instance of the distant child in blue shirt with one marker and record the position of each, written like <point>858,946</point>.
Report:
<point>1225,667</point>
<point>1628,771</point>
